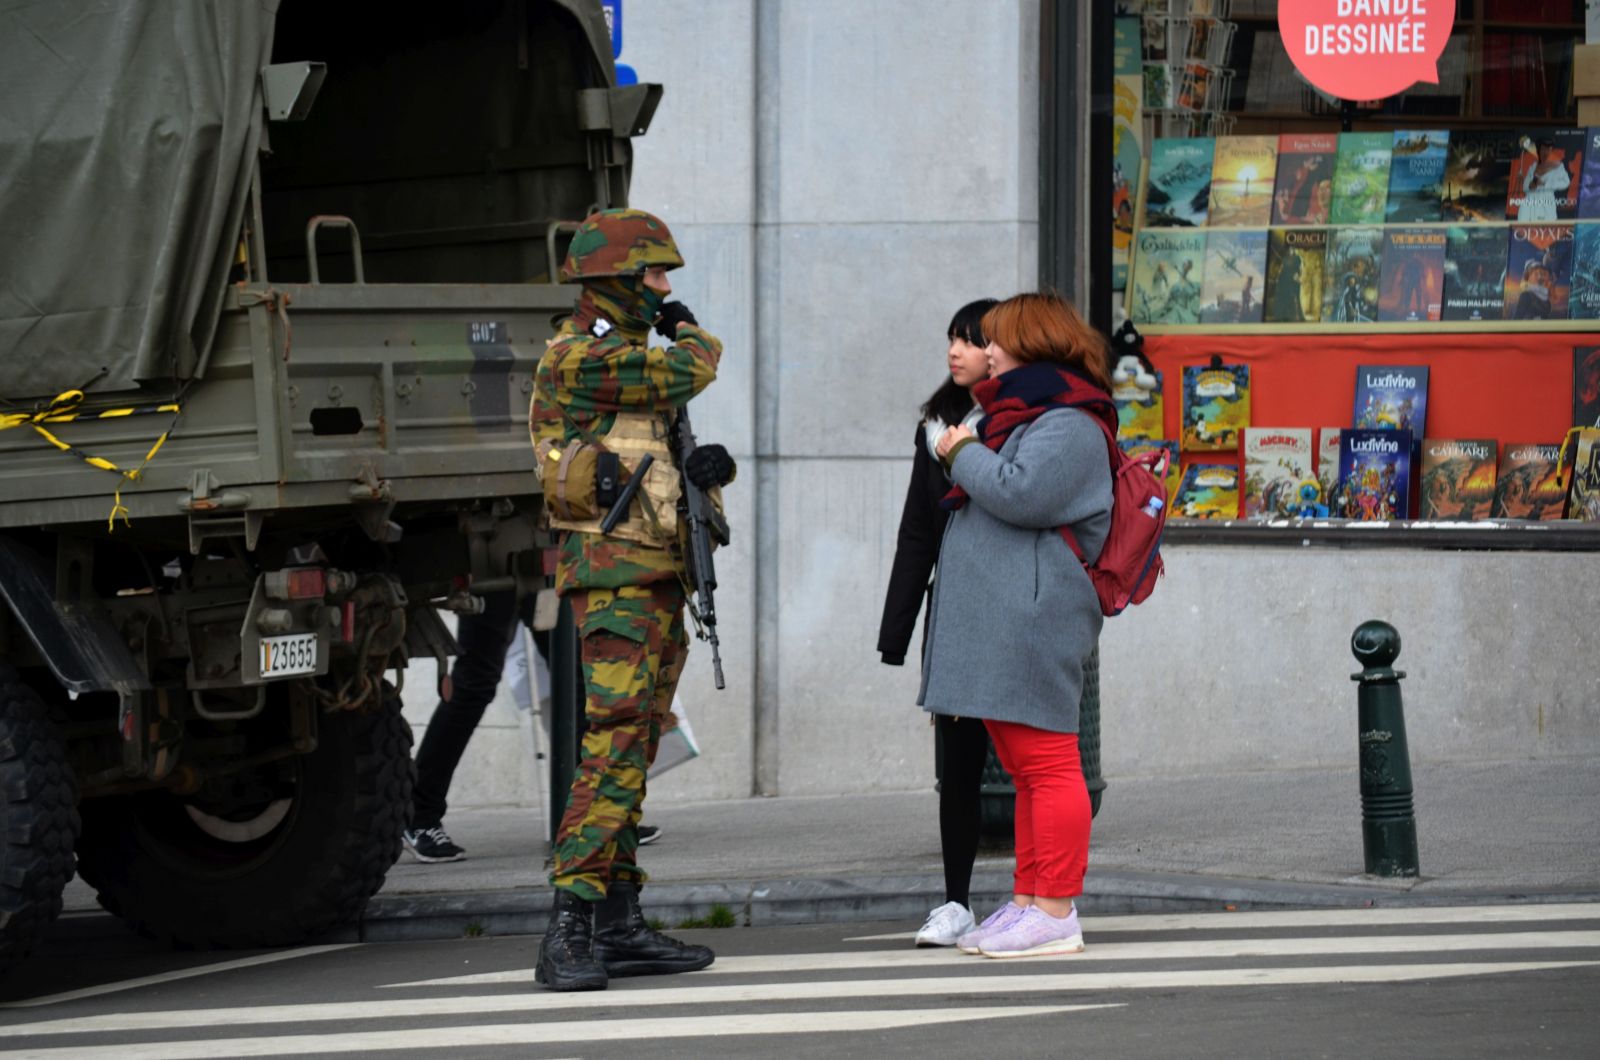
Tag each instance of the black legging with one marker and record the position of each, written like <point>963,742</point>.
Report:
<point>966,747</point>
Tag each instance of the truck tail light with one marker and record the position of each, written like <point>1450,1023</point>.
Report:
<point>311,584</point>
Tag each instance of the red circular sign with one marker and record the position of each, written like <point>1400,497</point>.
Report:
<point>1366,49</point>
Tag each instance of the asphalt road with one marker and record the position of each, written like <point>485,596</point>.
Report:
<point>1442,982</point>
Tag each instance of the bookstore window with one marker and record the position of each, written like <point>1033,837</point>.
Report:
<point>1362,312</point>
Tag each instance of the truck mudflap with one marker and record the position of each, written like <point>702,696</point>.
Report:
<point>77,641</point>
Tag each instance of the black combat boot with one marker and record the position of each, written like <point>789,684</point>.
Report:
<point>627,945</point>
<point>566,956</point>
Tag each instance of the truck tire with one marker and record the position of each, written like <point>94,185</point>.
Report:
<point>303,864</point>
<point>38,818</point>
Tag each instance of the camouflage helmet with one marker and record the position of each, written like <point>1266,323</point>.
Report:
<point>619,243</point>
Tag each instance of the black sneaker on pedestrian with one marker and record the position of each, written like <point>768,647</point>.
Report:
<point>431,845</point>
<point>566,954</point>
<point>648,833</point>
<point>626,944</point>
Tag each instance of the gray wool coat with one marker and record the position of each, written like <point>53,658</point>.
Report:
<point>1014,615</point>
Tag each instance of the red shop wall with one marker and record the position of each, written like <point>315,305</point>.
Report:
<point>1514,388</point>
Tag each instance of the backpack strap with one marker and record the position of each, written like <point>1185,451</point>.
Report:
<point>1112,451</point>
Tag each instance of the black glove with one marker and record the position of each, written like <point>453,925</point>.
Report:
<point>893,658</point>
<point>710,465</point>
<point>673,314</point>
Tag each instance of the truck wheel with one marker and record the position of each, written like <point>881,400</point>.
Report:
<point>38,818</point>
<point>273,856</point>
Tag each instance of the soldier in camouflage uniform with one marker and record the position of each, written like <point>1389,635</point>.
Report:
<point>599,380</point>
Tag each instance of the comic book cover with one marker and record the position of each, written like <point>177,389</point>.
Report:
<point>1583,500</point>
<point>1236,278</point>
<point>1526,485</point>
<point>1208,491</point>
<point>1303,190</point>
<point>1586,386</point>
<point>1457,476</point>
<point>1350,276</point>
<point>1391,397</point>
<point>1158,94</point>
<point>1139,411</point>
<point>1374,476</point>
<point>1361,178</point>
<point>1416,172</point>
<point>1546,176</point>
<point>1328,461</point>
<point>1174,475</point>
<point>1241,180</point>
<point>1127,151</point>
<point>1295,259</point>
<point>1589,184</point>
<point>1538,272</point>
<point>1216,406</point>
<point>1178,190</point>
<point>1583,300</point>
<point>1168,267</point>
<point>1474,272</point>
<point>1477,173</point>
<point>1276,461</point>
<point>1412,280</point>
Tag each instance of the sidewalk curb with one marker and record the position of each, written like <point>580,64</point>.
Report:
<point>769,903</point>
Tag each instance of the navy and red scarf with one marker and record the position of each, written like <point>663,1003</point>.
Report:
<point>1024,394</point>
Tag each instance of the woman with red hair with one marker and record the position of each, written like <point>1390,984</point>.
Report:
<point>1014,614</point>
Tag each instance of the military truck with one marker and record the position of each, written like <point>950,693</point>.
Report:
<point>272,290</point>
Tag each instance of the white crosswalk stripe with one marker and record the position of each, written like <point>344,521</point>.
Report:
<point>880,989</point>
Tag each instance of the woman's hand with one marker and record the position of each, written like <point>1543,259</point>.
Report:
<point>950,437</point>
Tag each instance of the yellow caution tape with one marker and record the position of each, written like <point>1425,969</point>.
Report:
<point>64,409</point>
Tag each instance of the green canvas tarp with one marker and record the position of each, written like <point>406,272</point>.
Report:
<point>126,134</point>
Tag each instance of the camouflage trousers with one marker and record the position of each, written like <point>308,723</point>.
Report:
<point>632,644</point>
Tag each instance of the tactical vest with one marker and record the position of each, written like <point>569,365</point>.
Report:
<point>567,474</point>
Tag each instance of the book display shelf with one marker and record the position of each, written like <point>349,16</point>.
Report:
<point>1449,234</point>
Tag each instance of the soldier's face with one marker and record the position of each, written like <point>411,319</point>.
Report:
<point>968,365</point>
<point>655,278</point>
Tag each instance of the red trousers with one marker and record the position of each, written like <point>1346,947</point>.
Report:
<point>1052,815</point>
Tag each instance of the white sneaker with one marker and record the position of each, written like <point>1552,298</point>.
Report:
<point>946,924</point>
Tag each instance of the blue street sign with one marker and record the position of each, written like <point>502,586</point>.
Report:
<point>613,12</point>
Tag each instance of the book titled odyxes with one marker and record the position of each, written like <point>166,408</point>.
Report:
<point>1527,485</point>
<point>1361,178</point>
<point>1391,398</point>
<point>1241,180</point>
<point>1457,478</point>
<point>1276,461</point>
<point>1168,266</point>
<point>1178,192</point>
<point>1236,278</point>
<point>1475,272</point>
<point>1216,406</point>
<point>1412,280</point>
<point>1374,476</point>
<point>1538,272</point>
<point>1350,276</point>
<point>1209,491</point>
<point>1416,173</point>
<point>1295,260</point>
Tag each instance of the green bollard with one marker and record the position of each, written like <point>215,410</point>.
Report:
<point>1388,818</point>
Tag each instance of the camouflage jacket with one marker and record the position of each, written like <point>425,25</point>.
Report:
<point>593,378</point>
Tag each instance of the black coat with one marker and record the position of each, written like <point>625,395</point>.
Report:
<point>916,551</point>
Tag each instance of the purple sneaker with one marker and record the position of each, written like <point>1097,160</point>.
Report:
<point>1035,934</point>
<point>995,921</point>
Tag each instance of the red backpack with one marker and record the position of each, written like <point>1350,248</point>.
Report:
<point>1130,560</point>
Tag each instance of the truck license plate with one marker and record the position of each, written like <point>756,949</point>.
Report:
<point>284,656</point>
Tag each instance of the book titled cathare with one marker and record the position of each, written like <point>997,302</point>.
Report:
<point>1209,491</point>
<point>1236,278</point>
<point>1277,460</point>
<point>1391,398</point>
<point>1174,473</point>
<point>1178,192</point>
<point>1139,411</point>
<point>1411,286</point>
<point>1168,266</point>
<point>1295,261</point>
<point>1527,485</point>
<point>1241,180</point>
<point>1374,476</point>
<point>1216,406</point>
<point>1457,478</point>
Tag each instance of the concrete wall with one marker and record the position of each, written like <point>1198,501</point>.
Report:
<point>841,177</point>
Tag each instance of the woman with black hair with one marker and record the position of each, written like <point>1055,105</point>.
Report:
<point>965,742</point>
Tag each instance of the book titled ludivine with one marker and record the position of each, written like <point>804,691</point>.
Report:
<point>1374,476</point>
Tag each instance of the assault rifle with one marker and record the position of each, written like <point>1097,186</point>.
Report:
<point>707,528</point>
